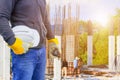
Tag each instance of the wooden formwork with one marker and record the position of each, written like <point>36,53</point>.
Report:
<point>70,69</point>
<point>49,67</point>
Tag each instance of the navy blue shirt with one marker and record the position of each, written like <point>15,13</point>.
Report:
<point>31,13</point>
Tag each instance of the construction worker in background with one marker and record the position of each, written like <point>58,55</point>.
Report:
<point>80,65</point>
<point>64,68</point>
<point>75,66</point>
<point>28,61</point>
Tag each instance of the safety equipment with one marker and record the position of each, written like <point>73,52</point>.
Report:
<point>19,47</point>
<point>77,58</point>
<point>27,35</point>
<point>53,47</point>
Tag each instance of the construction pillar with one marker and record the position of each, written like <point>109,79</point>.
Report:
<point>57,69</point>
<point>118,50</point>
<point>89,44</point>
<point>4,61</point>
<point>111,49</point>
<point>89,50</point>
<point>118,54</point>
<point>57,63</point>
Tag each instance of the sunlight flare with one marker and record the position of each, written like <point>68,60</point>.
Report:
<point>102,18</point>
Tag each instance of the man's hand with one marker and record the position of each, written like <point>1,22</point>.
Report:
<point>53,47</point>
<point>19,47</point>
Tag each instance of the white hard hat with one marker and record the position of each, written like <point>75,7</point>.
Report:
<point>27,34</point>
<point>77,58</point>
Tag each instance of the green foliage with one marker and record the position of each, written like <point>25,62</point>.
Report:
<point>100,40</point>
<point>84,57</point>
<point>83,47</point>
<point>101,46</point>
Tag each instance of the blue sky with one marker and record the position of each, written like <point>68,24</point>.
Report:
<point>89,9</point>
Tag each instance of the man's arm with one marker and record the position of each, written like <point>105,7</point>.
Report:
<point>47,24</point>
<point>52,41</point>
<point>5,14</point>
<point>17,45</point>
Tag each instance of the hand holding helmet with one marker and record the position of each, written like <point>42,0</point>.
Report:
<point>19,47</point>
<point>25,39</point>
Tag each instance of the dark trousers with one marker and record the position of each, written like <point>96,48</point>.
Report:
<point>74,72</point>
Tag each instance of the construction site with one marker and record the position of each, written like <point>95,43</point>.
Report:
<point>99,48</point>
<point>68,30</point>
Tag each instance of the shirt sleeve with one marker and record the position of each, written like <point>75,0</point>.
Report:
<point>47,24</point>
<point>6,7</point>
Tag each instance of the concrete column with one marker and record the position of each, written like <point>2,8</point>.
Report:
<point>89,44</point>
<point>4,61</point>
<point>57,69</point>
<point>89,50</point>
<point>118,54</point>
<point>118,49</point>
<point>111,47</point>
<point>111,51</point>
<point>57,63</point>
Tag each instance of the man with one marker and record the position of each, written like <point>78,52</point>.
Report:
<point>80,65</point>
<point>27,63</point>
<point>64,67</point>
<point>75,66</point>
